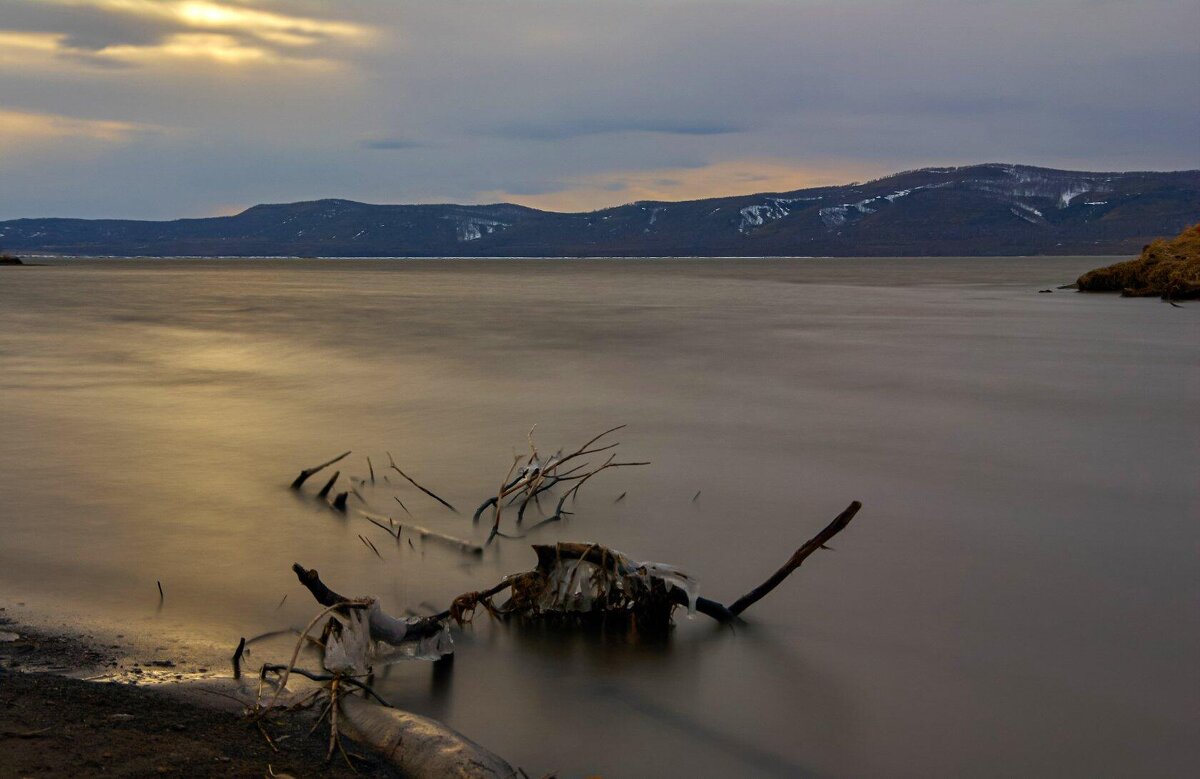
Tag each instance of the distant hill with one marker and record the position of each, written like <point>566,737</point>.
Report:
<point>988,209</point>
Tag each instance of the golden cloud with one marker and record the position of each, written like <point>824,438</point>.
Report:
<point>718,179</point>
<point>25,129</point>
<point>207,30</point>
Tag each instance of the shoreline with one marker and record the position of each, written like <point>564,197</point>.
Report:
<point>70,705</point>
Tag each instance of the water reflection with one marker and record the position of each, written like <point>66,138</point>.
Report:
<point>1019,588</point>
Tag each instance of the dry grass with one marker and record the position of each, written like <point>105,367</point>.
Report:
<point>1167,268</point>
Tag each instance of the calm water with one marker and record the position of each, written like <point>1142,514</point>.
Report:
<point>1019,596</point>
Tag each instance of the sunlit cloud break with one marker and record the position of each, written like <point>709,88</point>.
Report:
<point>226,33</point>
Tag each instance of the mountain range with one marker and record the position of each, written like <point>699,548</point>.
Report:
<point>991,209</point>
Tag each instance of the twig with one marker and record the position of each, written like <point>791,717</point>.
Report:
<point>353,604</point>
<point>396,468</point>
<point>500,494</point>
<point>329,485</point>
<point>307,472</point>
<point>386,529</point>
<point>263,730</point>
<point>25,733</point>
<point>320,719</point>
<point>237,658</point>
<point>369,545</point>
<point>425,532</point>
<point>333,712</point>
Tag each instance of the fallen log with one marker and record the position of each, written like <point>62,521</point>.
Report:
<point>648,592</point>
<point>419,746</point>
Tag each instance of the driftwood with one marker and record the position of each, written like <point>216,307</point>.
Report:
<point>418,746</point>
<point>643,594</point>
<point>646,594</point>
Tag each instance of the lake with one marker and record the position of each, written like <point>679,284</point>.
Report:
<point>1019,595</point>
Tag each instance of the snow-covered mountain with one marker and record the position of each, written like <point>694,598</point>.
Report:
<point>991,209</point>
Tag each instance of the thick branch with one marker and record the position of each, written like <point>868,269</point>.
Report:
<point>812,545</point>
<point>422,628</point>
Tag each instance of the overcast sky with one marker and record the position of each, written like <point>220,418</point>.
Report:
<point>165,108</point>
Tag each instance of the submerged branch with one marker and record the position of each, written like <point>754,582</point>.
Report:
<point>396,468</point>
<point>816,542</point>
<point>307,472</point>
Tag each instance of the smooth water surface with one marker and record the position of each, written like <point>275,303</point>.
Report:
<point>1019,596</point>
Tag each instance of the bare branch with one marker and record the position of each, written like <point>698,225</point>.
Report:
<point>307,472</point>
<point>396,468</point>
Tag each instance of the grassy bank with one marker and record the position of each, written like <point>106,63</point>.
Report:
<point>1166,268</point>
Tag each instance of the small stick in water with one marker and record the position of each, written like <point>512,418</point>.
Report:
<point>406,511</point>
<point>696,495</point>
<point>307,472</point>
<point>237,658</point>
<point>329,484</point>
<point>396,468</point>
<point>387,529</point>
<point>370,546</point>
<point>372,469</point>
<point>339,503</point>
<point>620,497</point>
<point>281,600</point>
<point>160,592</point>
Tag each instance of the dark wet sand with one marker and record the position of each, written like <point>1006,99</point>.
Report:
<point>52,725</point>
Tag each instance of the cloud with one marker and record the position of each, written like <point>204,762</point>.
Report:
<point>152,32</point>
<point>29,130</point>
<point>576,127</point>
<point>577,104</point>
<point>389,144</point>
<point>718,179</point>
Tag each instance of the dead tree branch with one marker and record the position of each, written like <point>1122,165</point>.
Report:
<point>798,557</point>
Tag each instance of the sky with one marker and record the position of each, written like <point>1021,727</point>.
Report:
<point>156,109</point>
